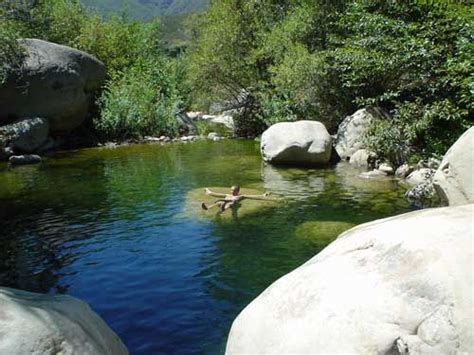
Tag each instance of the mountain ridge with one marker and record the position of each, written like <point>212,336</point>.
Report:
<point>146,9</point>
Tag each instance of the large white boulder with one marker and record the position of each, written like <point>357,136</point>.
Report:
<point>32,323</point>
<point>352,130</point>
<point>402,284</point>
<point>55,82</point>
<point>300,143</point>
<point>454,179</point>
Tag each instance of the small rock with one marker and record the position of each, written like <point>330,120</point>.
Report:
<point>423,195</point>
<point>386,168</point>
<point>420,176</point>
<point>373,174</point>
<point>403,171</point>
<point>152,139</point>
<point>24,159</point>
<point>433,163</point>
<point>212,135</point>
<point>362,158</point>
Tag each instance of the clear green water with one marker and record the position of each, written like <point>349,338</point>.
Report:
<point>121,229</point>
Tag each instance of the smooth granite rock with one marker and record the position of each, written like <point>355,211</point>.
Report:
<point>32,323</point>
<point>398,285</point>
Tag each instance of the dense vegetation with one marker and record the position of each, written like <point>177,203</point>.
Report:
<point>305,59</point>
<point>140,95</point>
<point>322,60</point>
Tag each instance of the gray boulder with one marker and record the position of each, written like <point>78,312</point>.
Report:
<point>56,82</point>
<point>454,179</point>
<point>403,171</point>
<point>352,130</point>
<point>363,158</point>
<point>32,323</point>
<point>421,176</point>
<point>423,195</point>
<point>26,135</point>
<point>398,285</point>
<point>300,143</point>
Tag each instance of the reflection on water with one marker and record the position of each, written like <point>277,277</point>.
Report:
<point>113,227</point>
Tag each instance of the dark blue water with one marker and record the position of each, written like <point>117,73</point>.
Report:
<point>115,228</point>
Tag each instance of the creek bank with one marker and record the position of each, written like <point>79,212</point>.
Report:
<point>361,295</point>
<point>34,323</point>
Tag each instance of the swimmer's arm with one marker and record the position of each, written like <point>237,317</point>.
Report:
<point>215,194</point>
<point>257,197</point>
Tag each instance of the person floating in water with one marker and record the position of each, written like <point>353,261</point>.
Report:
<point>228,201</point>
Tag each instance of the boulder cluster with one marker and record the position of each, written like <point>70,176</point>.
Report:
<point>430,183</point>
<point>400,285</point>
<point>48,97</point>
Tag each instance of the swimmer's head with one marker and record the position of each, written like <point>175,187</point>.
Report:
<point>235,189</point>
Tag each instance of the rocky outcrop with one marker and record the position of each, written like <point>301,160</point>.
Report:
<point>55,82</point>
<point>454,179</point>
<point>398,285</point>
<point>32,323</point>
<point>298,143</point>
<point>352,130</point>
<point>26,135</point>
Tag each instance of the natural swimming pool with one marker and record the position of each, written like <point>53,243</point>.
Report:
<point>121,229</point>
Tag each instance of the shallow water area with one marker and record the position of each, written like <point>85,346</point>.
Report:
<point>122,229</point>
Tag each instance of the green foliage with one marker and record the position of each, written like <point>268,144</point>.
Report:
<point>140,96</point>
<point>142,100</point>
<point>11,54</point>
<point>323,60</point>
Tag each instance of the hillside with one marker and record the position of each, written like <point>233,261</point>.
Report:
<point>146,9</point>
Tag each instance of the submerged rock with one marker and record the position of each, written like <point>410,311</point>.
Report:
<point>242,209</point>
<point>32,323</point>
<point>297,143</point>
<point>454,179</point>
<point>55,82</point>
<point>399,284</point>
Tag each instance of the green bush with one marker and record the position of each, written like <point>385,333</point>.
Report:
<point>140,96</point>
<point>140,101</point>
<point>324,60</point>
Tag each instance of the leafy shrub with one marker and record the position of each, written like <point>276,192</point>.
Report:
<point>140,101</point>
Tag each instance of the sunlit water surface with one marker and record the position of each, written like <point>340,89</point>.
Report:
<point>115,228</point>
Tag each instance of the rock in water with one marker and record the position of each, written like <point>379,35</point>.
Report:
<point>296,143</point>
<point>363,158</point>
<point>32,323</point>
<point>56,82</point>
<point>422,176</point>
<point>26,135</point>
<point>24,159</point>
<point>401,283</point>
<point>352,130</point>
<point>454,179</point>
